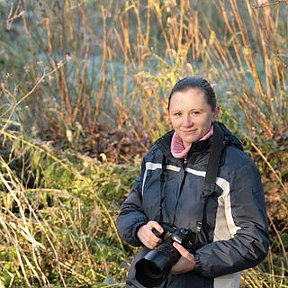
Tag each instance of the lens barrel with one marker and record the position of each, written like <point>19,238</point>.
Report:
<point>154,267</point>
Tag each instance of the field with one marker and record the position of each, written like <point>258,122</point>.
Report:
<point>83,95</point>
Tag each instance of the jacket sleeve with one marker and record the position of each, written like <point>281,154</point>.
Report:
<point>245,213</point>
<point>131,215</point>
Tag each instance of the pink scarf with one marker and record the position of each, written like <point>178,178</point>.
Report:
<point>178,149</point>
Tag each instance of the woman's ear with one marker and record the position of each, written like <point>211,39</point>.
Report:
<point>216,113</point>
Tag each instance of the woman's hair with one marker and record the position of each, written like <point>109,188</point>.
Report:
<point>198,83</point>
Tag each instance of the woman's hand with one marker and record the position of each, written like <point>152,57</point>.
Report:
<point>147,237</point>
<point>186,263</point>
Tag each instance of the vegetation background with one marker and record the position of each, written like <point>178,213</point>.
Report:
<point>83,94</point>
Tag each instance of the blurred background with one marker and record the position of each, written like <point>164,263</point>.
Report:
<point>83,94</point>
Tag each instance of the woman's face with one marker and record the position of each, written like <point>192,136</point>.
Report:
<point>191,115</point>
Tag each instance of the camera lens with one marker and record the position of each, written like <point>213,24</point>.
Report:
<point>154,267</point>
<point>151,270</point>
<point>148,273</point>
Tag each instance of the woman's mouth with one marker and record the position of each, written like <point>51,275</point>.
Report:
<point>190,131</point>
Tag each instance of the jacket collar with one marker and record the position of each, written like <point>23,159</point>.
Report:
<point>164,143</point>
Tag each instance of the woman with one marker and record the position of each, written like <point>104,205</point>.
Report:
<point>234,232</point>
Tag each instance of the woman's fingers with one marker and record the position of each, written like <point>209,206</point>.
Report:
<point>186,263</point>
<point>184,253</point>
<point>147,237</point>
<point>154,225</point>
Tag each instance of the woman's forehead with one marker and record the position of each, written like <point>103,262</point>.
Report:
<point>188,96</point>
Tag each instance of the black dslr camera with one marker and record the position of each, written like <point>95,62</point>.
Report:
<point>152,269</point>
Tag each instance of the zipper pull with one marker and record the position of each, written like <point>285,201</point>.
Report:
<point>185,161</point>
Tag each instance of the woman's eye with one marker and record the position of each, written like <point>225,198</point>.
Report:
<point>196,112</point>
<point>178,114</point>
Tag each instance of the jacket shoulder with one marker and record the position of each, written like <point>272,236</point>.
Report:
<point>236,164</point>
<point>153,154</point>
<point>160,147</point>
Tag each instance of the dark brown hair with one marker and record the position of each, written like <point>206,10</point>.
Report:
<point>195,82</point>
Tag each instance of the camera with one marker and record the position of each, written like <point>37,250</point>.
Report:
<point>152,269</point>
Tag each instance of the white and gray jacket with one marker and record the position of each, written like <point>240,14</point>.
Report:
<point>234,234</point>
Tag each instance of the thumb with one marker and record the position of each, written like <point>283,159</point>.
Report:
<point>156,225</point>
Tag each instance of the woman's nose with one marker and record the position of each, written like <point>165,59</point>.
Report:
<point>187,121</point>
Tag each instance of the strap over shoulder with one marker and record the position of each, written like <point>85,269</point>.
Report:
<point>209,187</point>
<point>214,160</point>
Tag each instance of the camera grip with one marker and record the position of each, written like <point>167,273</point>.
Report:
<point>157,233</point>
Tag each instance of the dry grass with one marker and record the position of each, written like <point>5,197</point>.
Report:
<point>74,69</point>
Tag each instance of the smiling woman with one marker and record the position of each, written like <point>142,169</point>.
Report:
<point>233,234</point>
<point>192,111</point>
<point>191,115</point>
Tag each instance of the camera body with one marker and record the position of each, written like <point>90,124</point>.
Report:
<point>152,269</point>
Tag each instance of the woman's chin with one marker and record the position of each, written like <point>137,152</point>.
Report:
<point>189,140</point>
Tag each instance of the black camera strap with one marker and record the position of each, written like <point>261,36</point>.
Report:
<point>214,160</point>
<point>209,187</point>
<point>162,180</point>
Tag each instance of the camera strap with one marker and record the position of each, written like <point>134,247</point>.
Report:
<point>162,180</point>
<point>209,187</point>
